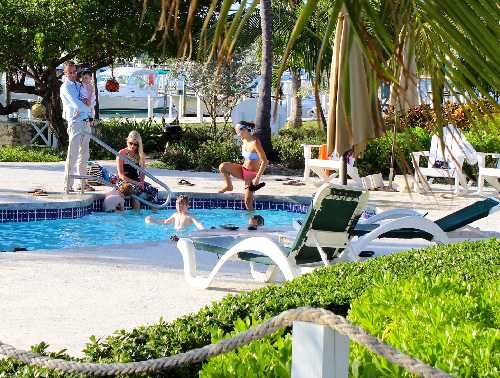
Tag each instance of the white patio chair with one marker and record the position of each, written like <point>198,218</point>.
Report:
<point>456,150</point>
<point>491,175</point>
<point>320,166</point>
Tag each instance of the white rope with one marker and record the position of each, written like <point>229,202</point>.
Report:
<point>285,319</point>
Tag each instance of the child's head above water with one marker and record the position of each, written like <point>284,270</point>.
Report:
<point>183,200</point>
<point>126,190</point>
<point>256,220</point>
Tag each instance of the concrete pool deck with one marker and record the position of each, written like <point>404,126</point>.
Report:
<point>64,296</point>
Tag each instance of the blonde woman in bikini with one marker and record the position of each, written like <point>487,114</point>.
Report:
<point>128,174</point>
<point>253,167</point>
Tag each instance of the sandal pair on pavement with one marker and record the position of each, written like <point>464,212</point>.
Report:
<point>294,183</point>
<point>87,188</point>
<point>38,192</point>
<point>185,182</point>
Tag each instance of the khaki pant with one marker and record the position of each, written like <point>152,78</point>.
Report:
<point>79,149</point>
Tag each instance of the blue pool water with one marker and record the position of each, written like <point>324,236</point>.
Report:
<point>105,228</point>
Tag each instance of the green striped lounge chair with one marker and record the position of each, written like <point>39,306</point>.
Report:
<point>325,232</point>
<point>452,228</point>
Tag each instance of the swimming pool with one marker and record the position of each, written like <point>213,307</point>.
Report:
<point>101,228</point>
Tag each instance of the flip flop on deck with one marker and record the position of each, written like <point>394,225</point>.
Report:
<point>294,183</point>
<point>254,188</point>
<point>185,182</point>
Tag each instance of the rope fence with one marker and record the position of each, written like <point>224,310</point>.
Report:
<point>285,319</point>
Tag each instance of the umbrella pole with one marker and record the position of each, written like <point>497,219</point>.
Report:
<point>343,169</point>
<point>393,152</point>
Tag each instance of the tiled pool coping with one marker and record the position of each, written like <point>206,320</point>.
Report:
<point>80,208</point>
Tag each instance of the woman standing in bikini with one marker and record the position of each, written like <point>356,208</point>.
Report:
<point>253,167</point>
<point>128,174</point>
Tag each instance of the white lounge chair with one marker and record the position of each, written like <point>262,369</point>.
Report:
<point>455,151</point>
<point>320,166</point>
<point>453,228</point>
<point>325,232</point>
<point>491,175</point>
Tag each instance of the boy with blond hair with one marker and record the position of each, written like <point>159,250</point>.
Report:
<point>115,200</point>
<point>182,218</point>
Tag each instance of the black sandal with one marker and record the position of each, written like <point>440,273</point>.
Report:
<point>254,188</point>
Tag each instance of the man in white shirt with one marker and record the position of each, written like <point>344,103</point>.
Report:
<point>77,114</point>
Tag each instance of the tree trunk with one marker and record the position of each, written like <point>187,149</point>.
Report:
<point>263,113</point>
<point>296,114</point>
<point>56,122</point>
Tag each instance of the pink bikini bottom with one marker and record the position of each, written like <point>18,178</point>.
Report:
<point>246,173</point>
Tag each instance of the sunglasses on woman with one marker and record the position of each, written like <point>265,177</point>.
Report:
<point>133,144</point>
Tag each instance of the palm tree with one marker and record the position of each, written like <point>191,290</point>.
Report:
<point>451,38</point>
<point>263,113</point>
<point>303,53</point>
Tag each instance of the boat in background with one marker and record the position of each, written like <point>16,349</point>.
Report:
<point>136,85</point>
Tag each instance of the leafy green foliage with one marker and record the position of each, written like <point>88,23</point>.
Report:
<point>114,133</point>
<point>288,143</point>
<point>10,368</point>
<point>30,154</point>
<point>178,158</point>
<point>212,153</point>
<point>451,323</point>
<point>220,88</point>
<point>199,151</point>
<point>267,357</point>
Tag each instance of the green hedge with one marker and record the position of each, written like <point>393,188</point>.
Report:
<point>332,288</point>
<point>30,154</point>
<point>451,323</point>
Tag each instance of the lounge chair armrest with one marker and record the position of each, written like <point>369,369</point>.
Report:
<point>393,214</point>
<point>416,157</point>
<point>308,150</point>
<point>481,158</point>
<point>311,145</point>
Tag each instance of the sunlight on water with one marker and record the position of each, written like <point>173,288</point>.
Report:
<point>106,228</point>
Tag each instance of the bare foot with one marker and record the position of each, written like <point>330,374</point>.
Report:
<point>226,189</point>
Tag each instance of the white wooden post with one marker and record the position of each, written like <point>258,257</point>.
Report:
<point>288,105</point>
<point>319,352</point>
<point>170,106</point>
<point>150,106</point>
<point>199,109</point>
<point>324,103</point>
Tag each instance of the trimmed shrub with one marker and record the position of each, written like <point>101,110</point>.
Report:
<point>114,133</point>
<point>288,143</point>
<point>450,323</point>
<point>30,154</point>
<point>270,356</point>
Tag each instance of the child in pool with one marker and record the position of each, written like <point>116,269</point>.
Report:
<point>182,218</point>
<point>255,221</point>
<point>115,200</point>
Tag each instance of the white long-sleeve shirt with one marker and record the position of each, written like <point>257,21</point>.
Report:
<point>71,103</point>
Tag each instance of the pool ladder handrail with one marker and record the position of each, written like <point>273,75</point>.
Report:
<point>83,178</point>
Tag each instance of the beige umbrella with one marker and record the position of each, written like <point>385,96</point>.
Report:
<point>354,115</point>
<point>407,94</point>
